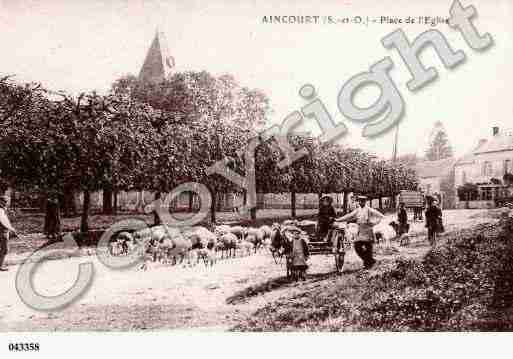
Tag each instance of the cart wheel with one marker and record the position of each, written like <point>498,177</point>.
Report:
<point>339,262</point>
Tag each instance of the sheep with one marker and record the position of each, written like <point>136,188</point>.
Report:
<point>255,236</point>
<point>245,247</point>
<point>222,229</point>
<point>404,239</point>
<point>238,231</point>
<point>228,242</point>
<point>200,237</point>
<point>267,231</point>
<point>385,232</point>
<point>208,255</point>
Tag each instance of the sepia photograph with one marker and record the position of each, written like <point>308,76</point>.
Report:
<point>255,166</point>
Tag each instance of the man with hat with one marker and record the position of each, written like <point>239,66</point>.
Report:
<point>5,228</point>
<point>363,243</point>
<point>325,218</point>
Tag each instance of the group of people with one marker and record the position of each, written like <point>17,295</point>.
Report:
<point>365,216</point>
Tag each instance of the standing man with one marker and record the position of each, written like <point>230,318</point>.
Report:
<point>5,228</point>
<point>433,220</point>
<point>325,218</point>
<point>363,243</point>
<point>402,218</point>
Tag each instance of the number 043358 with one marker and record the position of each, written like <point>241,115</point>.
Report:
<point>23,347</point>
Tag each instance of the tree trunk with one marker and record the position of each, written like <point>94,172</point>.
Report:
<point>42,202</point>
<point>293,204</point>
<point>68,202</point>
<point>393,201</point>
<point>191,201</point>
<point>219,202</point>
<point>381,203</point>
<point>13,199</point>
<point>245,198</point>
<point>253,213</point>
<point>84,222</point>
<point>52,225</point>
<point>346,198</point>
<point>107,199</point>
<point>115,204</point>
<point>156,217</point>
<point>213,206</point>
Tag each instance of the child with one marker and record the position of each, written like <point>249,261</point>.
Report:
<point>298,255</point>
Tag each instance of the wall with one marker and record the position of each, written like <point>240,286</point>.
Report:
<point>475,204</point>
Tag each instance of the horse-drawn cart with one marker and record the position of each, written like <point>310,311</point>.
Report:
<point>336,246</point>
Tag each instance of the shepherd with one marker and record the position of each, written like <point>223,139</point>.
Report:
<point>363,243</point>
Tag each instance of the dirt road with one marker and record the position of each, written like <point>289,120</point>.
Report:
<point>167,297</point>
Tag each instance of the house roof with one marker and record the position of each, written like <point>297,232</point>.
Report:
<point>438,168</point>
<point>498,143</point>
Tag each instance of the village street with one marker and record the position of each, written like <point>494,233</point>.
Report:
<point>165,297</point>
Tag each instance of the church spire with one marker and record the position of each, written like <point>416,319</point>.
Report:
<point>158,63</point>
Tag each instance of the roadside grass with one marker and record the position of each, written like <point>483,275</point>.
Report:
<point>466,284</point>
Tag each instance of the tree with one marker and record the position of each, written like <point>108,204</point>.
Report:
<point>74,143</point>
<point>439,146</point>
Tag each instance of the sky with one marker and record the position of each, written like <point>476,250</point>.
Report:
<point>85,45</point>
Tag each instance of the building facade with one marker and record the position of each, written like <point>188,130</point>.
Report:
<point>486,165</point>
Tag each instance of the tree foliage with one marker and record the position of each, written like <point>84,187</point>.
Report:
<point>158,136</point>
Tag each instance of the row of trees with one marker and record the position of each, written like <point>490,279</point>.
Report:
<point>158,136</point>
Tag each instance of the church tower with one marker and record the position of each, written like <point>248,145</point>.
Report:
<point>158,63</point>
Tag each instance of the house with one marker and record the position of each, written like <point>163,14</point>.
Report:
<point>433,177</point>
<point>486,166</point>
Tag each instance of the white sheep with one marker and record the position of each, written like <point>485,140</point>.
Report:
<point>245,247</point>
<point>255,236</point>
<point>385,232</point>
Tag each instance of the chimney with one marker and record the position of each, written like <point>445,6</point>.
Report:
<point>495,130</point>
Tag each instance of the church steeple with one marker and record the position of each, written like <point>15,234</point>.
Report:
<point>158,63</point>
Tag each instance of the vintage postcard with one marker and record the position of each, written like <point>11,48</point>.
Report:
<point>255,166</point>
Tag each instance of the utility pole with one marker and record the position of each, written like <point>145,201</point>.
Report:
<point>396,139</point>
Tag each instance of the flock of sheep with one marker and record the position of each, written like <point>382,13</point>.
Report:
<point>192,245</point>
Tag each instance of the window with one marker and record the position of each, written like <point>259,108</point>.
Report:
<point>486,194</point>
<point>487,168</point>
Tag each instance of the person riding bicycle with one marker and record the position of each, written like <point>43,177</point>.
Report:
<point>325,218</point>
